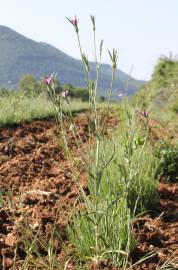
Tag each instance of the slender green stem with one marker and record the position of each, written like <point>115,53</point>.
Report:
<point>81,53</point>
<point>109,100</point>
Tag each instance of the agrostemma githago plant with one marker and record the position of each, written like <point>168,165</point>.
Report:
<point>101,229</point>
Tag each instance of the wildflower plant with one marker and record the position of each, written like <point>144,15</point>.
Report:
<point>101,230</point>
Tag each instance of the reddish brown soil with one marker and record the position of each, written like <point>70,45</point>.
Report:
<point>158,231</point>
<point>33,166</point>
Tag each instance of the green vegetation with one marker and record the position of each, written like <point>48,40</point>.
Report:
<point>168,161</point>
<point>133,169</point>
<point>162,91</point>
<point>17,108</point>
<point>29,86</point>
<point>127,185</point>
<point>107,228</point>
<point>165,73</point>
<point>161,95</point>
<point>23,106</point>
<point>31,101</point>
<point>76,92</point>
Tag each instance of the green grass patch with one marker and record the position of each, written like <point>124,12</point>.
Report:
<point>132,173</point>
<point>18,108</point>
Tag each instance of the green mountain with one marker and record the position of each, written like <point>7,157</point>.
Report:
<point>20,55</point>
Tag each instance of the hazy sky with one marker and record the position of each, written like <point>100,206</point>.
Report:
<point>141,29</point>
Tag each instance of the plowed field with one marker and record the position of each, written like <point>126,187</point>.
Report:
<point>34,168</point>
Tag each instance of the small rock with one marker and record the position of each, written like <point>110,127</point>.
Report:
<point>10,240</point>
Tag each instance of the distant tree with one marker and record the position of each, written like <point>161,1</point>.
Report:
<point>4,92</point>
<point>39,87</point>
<point>102,98</point>
<point>80,93</point>
<point>27,84</point>
<point>68,86</point>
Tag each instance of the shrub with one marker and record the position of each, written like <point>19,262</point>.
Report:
<point>168,161</point>
<point>175,106</point>
<point>80,93</point>
<point>4,92</point>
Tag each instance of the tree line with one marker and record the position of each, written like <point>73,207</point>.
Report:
<point>30,86</point>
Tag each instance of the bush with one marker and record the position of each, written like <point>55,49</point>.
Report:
<point>165,72</point>
<point>80,93</point>
<point>4,92</point>
<point>168,161</point>
<point>175,108</point>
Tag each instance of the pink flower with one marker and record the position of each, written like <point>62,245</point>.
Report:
<point>74,21</point>
<point>65,93</point>
<point>145,113</point>
<point>48,80</point>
